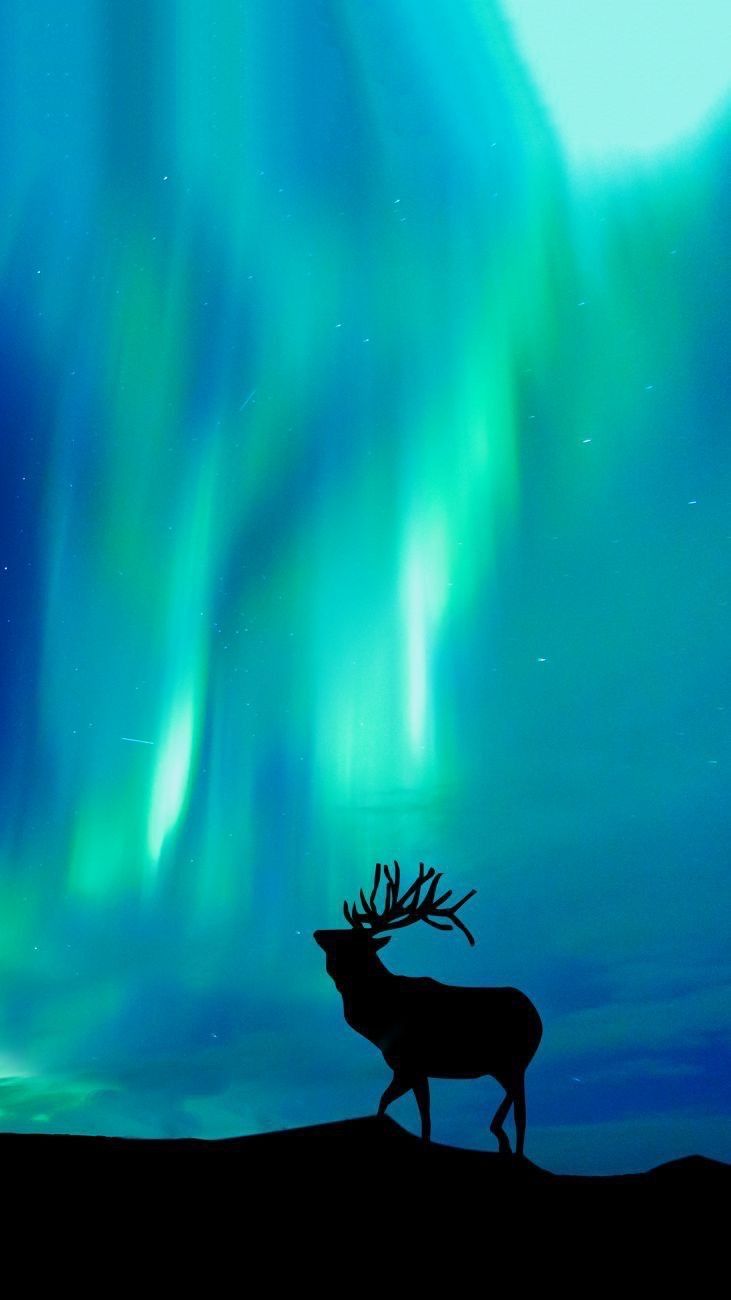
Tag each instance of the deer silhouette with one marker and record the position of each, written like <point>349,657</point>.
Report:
<point>423,1028</point>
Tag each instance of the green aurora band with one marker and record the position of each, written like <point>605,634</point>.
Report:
<point>365,495</point>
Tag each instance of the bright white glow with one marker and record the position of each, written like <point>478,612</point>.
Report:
<point>171,775</point>
<point>625,78</point>
<point>424,595</point>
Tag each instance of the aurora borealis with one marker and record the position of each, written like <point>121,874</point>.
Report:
<point>365,476</point>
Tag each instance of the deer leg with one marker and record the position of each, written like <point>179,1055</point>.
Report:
<point>519,1116</point>
<point>396,1088</point>
<point>496,1125</point>
<point>421,1092</point>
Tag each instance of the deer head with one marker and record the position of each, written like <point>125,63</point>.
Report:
<point>354,950</point>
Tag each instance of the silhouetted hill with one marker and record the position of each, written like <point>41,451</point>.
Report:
<point>345,1203</point>
<point>362,1154</point>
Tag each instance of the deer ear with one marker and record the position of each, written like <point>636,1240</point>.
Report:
<point>381,943</point>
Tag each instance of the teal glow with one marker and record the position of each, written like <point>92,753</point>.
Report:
<point>626,79</point>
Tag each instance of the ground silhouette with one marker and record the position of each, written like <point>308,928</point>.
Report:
<point>368,1153</point>
<point>357,1201</point>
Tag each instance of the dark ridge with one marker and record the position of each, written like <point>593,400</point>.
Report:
<point>353,1206</point>
<point>367,1151</point>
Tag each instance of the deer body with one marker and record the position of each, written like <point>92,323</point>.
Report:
<point>426,1029</point>
<point>445,1031</point>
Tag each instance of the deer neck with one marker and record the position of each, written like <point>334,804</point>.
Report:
<point>362,979</point>
<point>375,969</point>
<point>366,998</point>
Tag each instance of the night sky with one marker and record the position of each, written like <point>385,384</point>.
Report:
<point>365,469</point>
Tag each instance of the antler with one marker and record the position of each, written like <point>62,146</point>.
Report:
<point>400,910</point>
